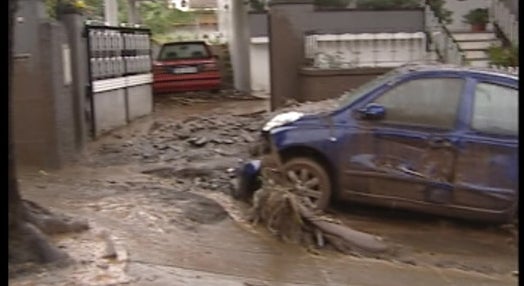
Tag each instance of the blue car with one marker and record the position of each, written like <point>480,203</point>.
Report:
<point>434,139</point>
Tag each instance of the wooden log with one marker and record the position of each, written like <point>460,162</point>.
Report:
<point>355,238</point>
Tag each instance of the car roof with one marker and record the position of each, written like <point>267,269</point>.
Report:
<point>503,72</point>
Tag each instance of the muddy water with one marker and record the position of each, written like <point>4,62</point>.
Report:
<point>176,236</point>
<point>441,242</point>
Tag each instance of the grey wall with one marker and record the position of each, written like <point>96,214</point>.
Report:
<point>28,16</point>
<point>139,101</point>
<point>74,25</point>
<point>348,21</point>
<point>258,24</point>
<point>354,21</point>
<point>513,6</point>
<point>53,36</point>
<point>109,110</point>
<point>318,84</point>
<point>290,20</point>
<point>42,110</point>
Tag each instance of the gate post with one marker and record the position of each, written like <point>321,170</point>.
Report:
<point>239,46</point>
<point>74,25</point>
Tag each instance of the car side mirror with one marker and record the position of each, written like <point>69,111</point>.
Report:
<point>372,111</point>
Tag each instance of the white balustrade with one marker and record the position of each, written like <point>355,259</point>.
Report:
<point>511,70</point>
<point>366,49</point>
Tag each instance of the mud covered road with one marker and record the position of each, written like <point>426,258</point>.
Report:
<point>161,186</point>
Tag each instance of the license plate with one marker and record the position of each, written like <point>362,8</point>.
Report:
<point>185,70</point>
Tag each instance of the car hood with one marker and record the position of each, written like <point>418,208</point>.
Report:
<point>302,114</point>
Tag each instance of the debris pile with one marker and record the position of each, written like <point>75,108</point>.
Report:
<point>293,219</point>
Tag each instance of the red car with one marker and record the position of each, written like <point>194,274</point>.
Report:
<point>185,66</point>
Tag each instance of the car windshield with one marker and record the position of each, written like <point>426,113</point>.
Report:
<point>352,95</point>
<point>180,51</point>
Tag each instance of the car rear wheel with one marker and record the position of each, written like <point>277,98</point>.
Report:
<point>311,181</point>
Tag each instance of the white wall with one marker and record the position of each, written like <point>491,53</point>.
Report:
<point>223,15</point>
<point>259,61</point>
<point>178,5</point>
<point>188,33</point>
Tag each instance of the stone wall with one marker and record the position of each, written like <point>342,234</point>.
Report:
<point>319,84</point>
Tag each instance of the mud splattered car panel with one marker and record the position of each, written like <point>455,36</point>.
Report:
<point>423,153</point>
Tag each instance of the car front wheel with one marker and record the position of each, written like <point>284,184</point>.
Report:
<point>311,181</point>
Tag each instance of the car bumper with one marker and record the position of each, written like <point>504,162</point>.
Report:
<point>247,179</point>
<point>186,85</point>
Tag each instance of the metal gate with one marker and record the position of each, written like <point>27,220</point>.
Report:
<point>120,77</point>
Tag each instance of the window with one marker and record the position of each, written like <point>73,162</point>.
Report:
<point>349,97</point>
<point>183,51</point>
<point>495,109</point>
<point>430,102</point>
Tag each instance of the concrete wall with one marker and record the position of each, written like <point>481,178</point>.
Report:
<point>318,84</point>
<point>347,21</point>
<point>259,59</point>
<point>258,25</point>
<point>58,58</point>
<point>74,25</point>
<point>238,42</point>
<point>42,110</point>
<point>290,21</point>
<point>513,6</point>
<point>139,101</point>
<point>109,110</point>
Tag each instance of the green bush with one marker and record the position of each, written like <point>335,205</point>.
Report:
<point>477,16</point>
<point>388,4</point>
<point>257,5</point>
<point>504,56</point>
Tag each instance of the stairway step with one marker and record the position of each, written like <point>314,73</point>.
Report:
<point>479,63</point>
<point>481,55</point>
<point>466,37</point>
<point>478,45</point>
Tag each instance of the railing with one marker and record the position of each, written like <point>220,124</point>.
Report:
<point>366,50</point>
<point>441,39</point>
<point>505,20</point>
<point>510,70</point>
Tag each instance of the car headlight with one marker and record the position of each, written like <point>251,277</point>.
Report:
<point>281,119</point>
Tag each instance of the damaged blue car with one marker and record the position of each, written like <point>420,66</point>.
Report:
<point>429,138</point>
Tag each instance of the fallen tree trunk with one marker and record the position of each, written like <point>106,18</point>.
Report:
<point>287,216</point>
<point>358,240</point>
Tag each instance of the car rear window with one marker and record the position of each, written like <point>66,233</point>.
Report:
<point>183,51</point>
